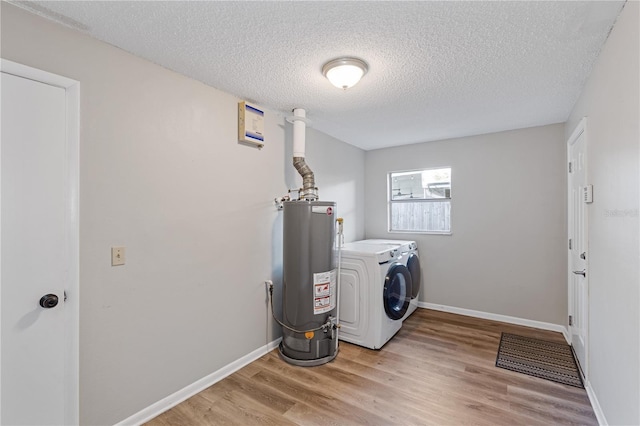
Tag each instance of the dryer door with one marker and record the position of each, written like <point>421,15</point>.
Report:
<point>397,291</point>
<point>413,263</point>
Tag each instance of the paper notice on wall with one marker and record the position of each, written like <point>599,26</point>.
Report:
<point>324,292</point>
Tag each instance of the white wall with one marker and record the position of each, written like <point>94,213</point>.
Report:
<point>610,100</point>
<point>507,254</point>
<point>162,174</point>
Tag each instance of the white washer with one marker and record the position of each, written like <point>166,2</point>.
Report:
<point>375,294</point>
<point>409,258</point>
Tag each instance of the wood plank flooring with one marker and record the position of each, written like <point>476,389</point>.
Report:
<point>438,370</point>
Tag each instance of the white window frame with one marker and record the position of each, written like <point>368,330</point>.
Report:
<point>390,203</point>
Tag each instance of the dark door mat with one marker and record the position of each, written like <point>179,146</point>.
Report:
<point>539,358</point>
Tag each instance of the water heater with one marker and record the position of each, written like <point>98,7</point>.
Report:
<point>309,291</point>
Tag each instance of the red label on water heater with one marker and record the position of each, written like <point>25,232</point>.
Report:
<point>329,211</point>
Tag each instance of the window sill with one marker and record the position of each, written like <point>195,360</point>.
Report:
<point>421,232</point>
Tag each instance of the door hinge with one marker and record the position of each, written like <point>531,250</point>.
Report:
<point>570,319</point>
<point>569,166</point>
<point>569,243</point>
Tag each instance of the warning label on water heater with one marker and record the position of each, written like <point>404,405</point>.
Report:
<point>324,292</point>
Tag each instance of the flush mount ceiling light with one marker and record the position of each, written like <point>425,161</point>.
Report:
<point>345,72</point>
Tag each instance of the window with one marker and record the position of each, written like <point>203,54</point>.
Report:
<point>420,201</point>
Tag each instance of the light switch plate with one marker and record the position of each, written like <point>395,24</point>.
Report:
<point>117,256</point>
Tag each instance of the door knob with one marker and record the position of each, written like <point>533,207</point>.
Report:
<point>48,301</point>
<point>583,273</point>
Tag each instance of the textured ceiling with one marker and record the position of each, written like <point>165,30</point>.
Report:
<point>437,70</point>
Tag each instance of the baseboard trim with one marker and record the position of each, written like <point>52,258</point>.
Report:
<point>595,404</point>
<point>187,392</point>
<point>497,317</point>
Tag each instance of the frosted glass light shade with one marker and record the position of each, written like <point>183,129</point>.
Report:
<point>345,72</point>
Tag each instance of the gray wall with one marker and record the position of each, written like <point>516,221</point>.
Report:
<point>162,174</point>
<point>507,253</point>
<point>610,101</point>
<point>339,174</point>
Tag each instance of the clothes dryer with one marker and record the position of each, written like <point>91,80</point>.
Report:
<point>408,251</point>
<point>375,294</point>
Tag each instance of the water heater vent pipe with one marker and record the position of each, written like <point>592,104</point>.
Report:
<point>299,121</point>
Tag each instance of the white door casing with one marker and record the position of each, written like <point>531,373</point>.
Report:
<point>578,275</point>
<point>39,247</point>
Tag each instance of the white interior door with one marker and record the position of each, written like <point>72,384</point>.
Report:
<point>578,251</point>
<point>34,251</point>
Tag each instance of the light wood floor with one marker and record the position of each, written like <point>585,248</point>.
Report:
<point>438,370</point>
